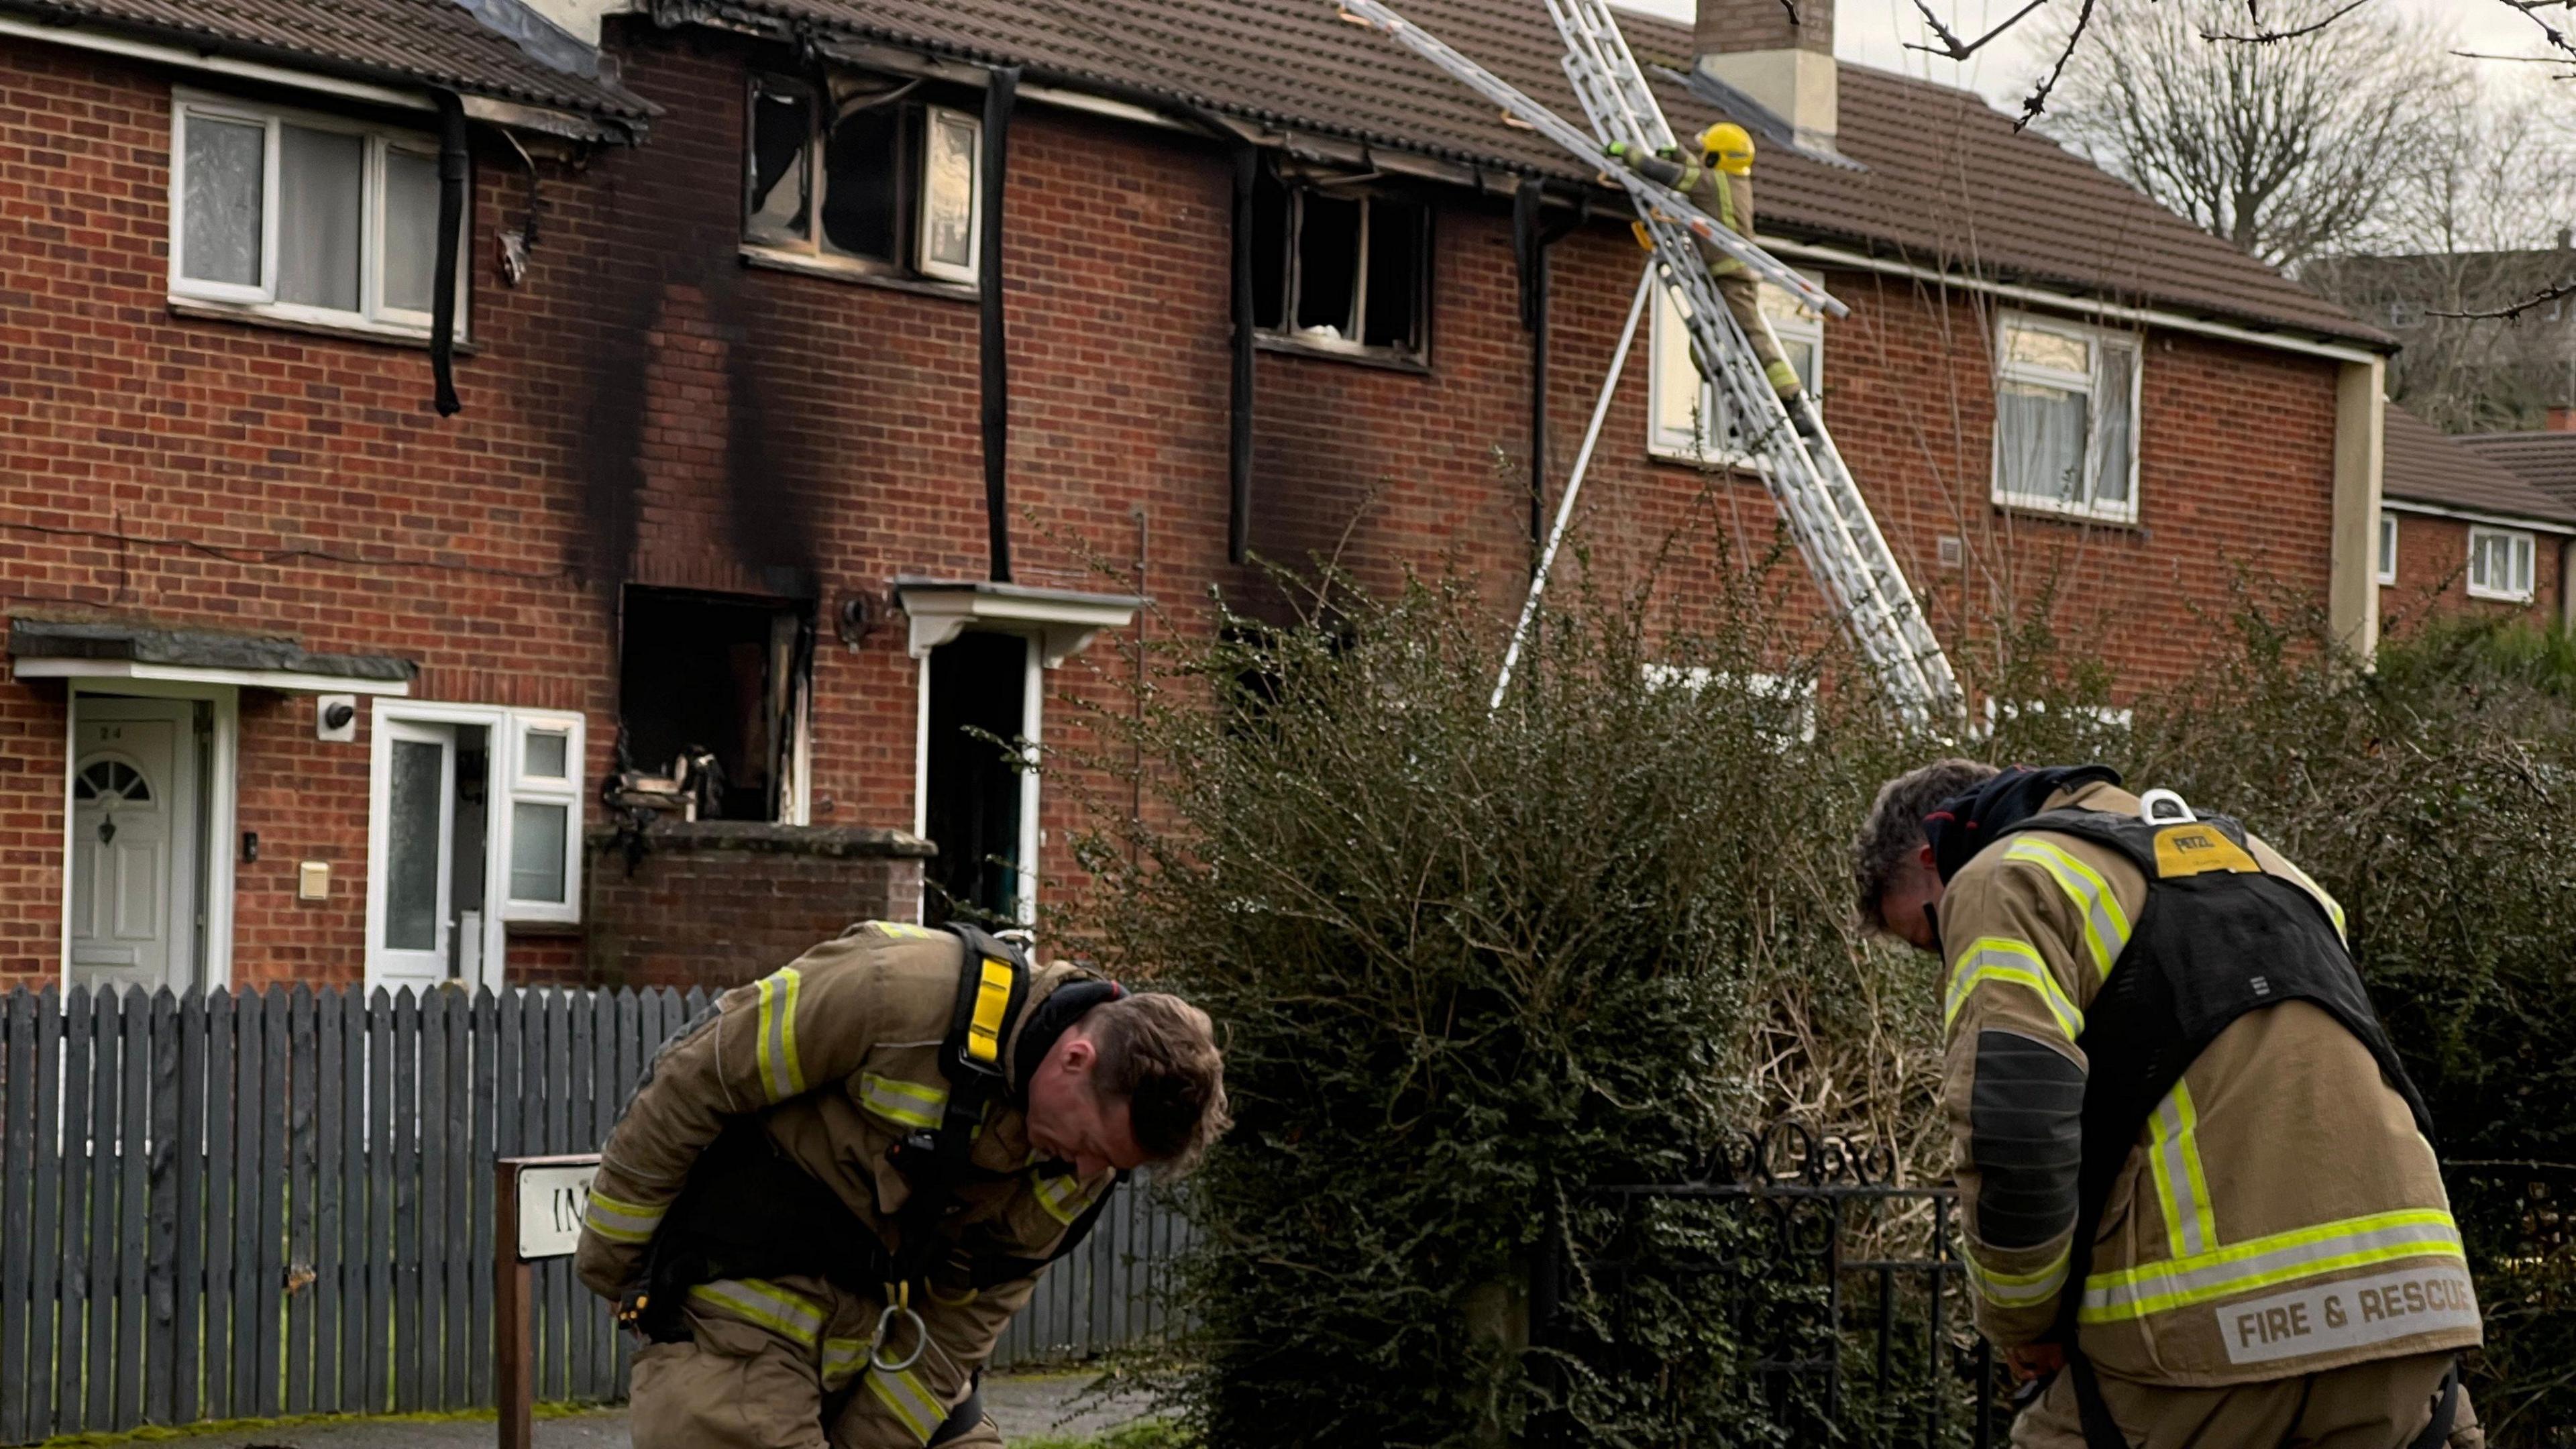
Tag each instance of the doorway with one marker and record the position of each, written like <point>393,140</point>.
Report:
<point>136,916</point>
<point>978,805</point>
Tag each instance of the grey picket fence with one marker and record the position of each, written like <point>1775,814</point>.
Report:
<point>279,1202</point>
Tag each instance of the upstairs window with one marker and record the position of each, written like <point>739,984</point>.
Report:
<point>2387,548</point>
<point>858,176</point>
<point>1691,423</point>
<point>2066,408</point>
<point>305,216</point>
<point>1341,270</point>
<point>2500,564</point>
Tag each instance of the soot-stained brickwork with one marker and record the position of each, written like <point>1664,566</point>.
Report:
<point>645,408</point>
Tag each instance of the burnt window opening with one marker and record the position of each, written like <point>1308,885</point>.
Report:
<point>713,691</point>
<point>978,796</point>
<point>863,171</point>
<point>1340,269</point>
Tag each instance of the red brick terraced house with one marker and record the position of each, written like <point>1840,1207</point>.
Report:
<point>837,377</point>
<point>2462,531</point>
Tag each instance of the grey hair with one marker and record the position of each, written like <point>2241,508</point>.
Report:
<point>1893,831</point>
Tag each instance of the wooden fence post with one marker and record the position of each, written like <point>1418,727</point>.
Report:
<point>536,1213</point>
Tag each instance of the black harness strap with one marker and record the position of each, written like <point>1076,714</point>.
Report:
<point>992,988</point>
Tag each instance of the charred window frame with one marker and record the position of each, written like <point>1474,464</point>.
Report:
<point>1341,269</point>
<point>724,683</point>
<point>864,174</point>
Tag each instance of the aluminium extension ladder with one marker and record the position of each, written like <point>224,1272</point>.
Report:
<point>1826,513</point>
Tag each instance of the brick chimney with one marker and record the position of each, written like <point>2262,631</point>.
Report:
<point>2560,420</point>
<point>1779,52</point>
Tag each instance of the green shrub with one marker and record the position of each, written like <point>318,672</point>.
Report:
<point>1468,959</point>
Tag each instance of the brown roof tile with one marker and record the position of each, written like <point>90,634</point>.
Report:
<point>2424,466</point>
<point>2546,461</point>
<point>429,42</point>
<point>1949,183</point>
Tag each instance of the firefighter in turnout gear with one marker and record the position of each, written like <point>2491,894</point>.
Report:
<point>831,1192</point>
<point>1720,184</point>
<point>2199,1196</point>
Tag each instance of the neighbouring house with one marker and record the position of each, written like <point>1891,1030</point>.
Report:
<point>2461,371</point>
<point>841,378</point>
<point>2460,530</point>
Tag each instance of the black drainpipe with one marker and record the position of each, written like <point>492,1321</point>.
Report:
<point>999,95</point>
<point>1238,528</point>
<point>452,167</point>
<point>1531,238</point>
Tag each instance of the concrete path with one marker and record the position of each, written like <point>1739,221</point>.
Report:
<point>1027,1406</point>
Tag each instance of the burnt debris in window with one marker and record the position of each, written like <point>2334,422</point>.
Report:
<point>837,168</point>
<point>1340,269</point>
<point>711,689</point>
<point>973,793</point>
<point>777,210</point>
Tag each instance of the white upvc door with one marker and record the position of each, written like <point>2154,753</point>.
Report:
<point>413,854</point>
<point>134,838</point>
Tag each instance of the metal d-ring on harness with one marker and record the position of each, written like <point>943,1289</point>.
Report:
<point>991,990</point>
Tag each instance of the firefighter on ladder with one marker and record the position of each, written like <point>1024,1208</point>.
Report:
<point>1720,184</point>
<point>2199,1197</point>
<point>830,1193</point>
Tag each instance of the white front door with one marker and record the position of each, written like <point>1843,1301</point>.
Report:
<point>419,822</point>
<point>134,842</point>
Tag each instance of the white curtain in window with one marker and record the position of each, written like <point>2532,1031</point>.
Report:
<point>321,184</point>
<point>411,229</point>
<point>948,195</point>
<point>227,179</point>
<point>2043,432</point>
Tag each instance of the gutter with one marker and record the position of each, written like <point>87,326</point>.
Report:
<point>264,65</point>
<point>2471,515</point>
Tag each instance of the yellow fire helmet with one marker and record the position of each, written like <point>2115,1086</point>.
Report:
<point>1727,144</point>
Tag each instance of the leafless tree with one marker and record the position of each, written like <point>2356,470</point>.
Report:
<point>2290,149</point>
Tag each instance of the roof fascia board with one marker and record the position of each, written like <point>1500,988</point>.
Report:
<point>283,681</point>
<point>2395,504</point>
<point>409,98</point>
<point>2089,308</point>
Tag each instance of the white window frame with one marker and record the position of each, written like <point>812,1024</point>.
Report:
<point>506,728</point>
<point>2522,559</point>
<point>1798,694</point>
<point>1997,711</point>
<point>932,118</point>
<point>914,240</point>
<point>564,790</point>
<point>2387,546</point>
<point>1697,444</point>
<point>261,300</point>
<point>2009,371</point>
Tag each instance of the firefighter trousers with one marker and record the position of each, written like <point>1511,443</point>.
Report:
<point>736,1385</point>
<point>2384,1404</point>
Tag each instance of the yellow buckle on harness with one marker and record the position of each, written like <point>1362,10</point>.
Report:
<point>992,1000</point>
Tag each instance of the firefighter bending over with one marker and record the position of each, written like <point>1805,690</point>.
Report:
<point>831,1193</point>
<point>2199,1194</point>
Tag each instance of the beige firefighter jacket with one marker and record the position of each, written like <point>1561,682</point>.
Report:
<point>1728,198</point>
<point>837,1054</point>
<point>2279,1213</point>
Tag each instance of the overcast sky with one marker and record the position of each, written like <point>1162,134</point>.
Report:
<point>1874,32</point>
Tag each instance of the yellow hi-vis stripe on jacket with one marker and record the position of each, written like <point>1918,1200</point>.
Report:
<point>909,1399</point>
<point>780,1075</point>
<point>789,1314</point>
<point>1062,1194</point>
<point>907,1104</point>
<point>2268,1261</point>
<point>2106,926</point>
<point>1999,958</point>
<point>622,1222</point>
<point>2017,1290</point>
<point>2182,1189</point>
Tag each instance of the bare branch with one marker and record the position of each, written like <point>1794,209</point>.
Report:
<point>1951,46</point>
<point>2531,11</point>
<point>2038,101</point>
<point>2263,35</point>
<point>2514,311</point>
